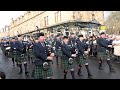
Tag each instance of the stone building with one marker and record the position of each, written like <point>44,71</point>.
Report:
<point>53,22</point>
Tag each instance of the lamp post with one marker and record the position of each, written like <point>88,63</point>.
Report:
<point>38,30</point>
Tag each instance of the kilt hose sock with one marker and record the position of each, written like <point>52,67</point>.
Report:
<point>79,70</point>
<point>65,74</point>
<point>13,61</point>
<point>20,66</point>
<point>88,71</point>
<point>100,65</point>
<point>73,74</point>
<point>25,66</point>
<point>57,59</point>
<point>29,59</point>
<point>110,65</point>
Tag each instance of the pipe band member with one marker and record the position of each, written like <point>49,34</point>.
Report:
<point>21,54</point>
<point>82,54</point>
<point>103,52</point>
<point>42,66</point>
<point>66,56</point>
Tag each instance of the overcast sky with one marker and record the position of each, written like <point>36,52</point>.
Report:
<point>5,16</point>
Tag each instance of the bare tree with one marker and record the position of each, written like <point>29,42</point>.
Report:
<point>113,23</point>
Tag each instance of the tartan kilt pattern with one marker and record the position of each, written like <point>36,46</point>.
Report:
<point>11,55</point>
<point>81,60</point>
<point>30,53</point>
<point>20,59</point>
<point>39,73</point>
<point>66,65</point>
<point>103,56</point>
<point>58,53</point>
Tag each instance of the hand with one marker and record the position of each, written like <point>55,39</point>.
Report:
<point>52,54</point>
<point>50,58</point>
<point>109,45</point>
<point>76,52</point>
<point>73,55</point>
<point>31,46</point>
<point>88,49</point>
<point>59,48</point>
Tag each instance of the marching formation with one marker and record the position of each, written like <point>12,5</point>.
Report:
<point>41,51</point>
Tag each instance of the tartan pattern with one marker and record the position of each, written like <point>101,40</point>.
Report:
<point>81,60</point>
<point>19,59</point>
<point>39,73</point>
<point>66,65</point>
<point>30,53</point>
<point>103,56</point>
<point>11,55</point>
<point>58,53</point>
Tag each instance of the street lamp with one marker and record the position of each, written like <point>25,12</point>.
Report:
<point>38,29</point>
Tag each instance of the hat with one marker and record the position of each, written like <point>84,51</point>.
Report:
<point>102,33</point>
<point>65,37</point>
<point>58,35</point>
<point>80,36</point>
<point>40,34</point>
<point>19,35</point>
<point>13,38</point>
<point>72,33</point>
<point>91,36</point>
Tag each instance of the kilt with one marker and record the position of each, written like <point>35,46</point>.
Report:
<point>103,56</point>
<point>20,59</point>
<point>39,73</point>
<point>66,65</point>
<point>81,60</point>
<point>3,49</point>
<point>30,53</point>
<point>58,53</point>
<point>11,55</point>
<point>7,53</point>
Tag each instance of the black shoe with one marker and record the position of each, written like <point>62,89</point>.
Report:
<point>26,73</point>
<point>79,73</point>
<point>89,75</point>
<point>112,70</point>
<point>13,64</point>
<point>64,76</point>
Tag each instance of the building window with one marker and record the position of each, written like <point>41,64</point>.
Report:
<point>46,20</point>
<point>78,15</point>
<point>73,14</point>
<point>93,16</point>
<point>58,16</point>
<point>55,17</point>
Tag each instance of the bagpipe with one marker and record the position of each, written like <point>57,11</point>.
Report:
<point>73,47</point>
<point>49,48</point>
